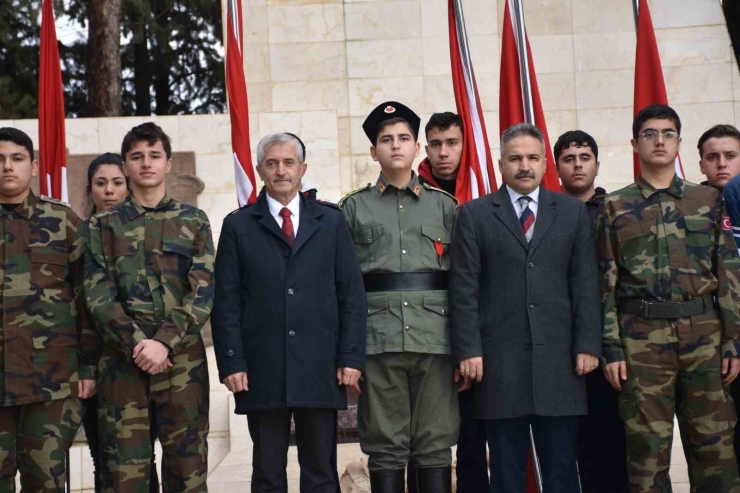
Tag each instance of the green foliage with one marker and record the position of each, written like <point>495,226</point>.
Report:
<point>179,57</point>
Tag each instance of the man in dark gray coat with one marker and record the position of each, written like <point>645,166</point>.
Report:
<point>525,316</point>
<point>289,320</point>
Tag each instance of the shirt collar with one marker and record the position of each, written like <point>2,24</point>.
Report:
<point>134,209</point>
<point>535,195</point>
<point>276,207</point>
<point>675,188</point>
<point>23,210</point>
<point>413,186</point>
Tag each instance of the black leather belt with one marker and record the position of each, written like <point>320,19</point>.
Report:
<point>406,281</point>
<point>666,309</point>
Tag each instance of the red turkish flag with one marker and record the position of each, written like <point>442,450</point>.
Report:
<point>475,177</point>
<point>236,86</point>
<point>649,83</point>
<point>514,92</point>
<point>52,143</point>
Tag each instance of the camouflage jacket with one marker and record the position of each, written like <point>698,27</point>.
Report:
<point>669,246</point>
<point>46,342</point>
<point>401,230</point>
<point>145,267</point>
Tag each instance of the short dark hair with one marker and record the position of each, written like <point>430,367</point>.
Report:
<point>578,138</point>
<point>18,137</point>
<point>151,133</point>
<point>655,112</point>
<point>393,121</point>
<point>722,130</point>
<point>443,121</point>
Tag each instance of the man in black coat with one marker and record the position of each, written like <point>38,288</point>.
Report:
<point>289,320</point>
<point>525,313</point>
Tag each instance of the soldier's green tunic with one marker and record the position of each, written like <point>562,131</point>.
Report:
<point>408,408</point>
<point>149,274</point>
<point>46,343</point>
<point>669,245</point>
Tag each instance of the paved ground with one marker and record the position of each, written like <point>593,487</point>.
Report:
<point>234,473</point>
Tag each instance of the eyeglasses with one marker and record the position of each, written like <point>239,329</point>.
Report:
<point>652,135</point>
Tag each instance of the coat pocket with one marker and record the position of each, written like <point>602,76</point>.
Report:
<point>370,246</point>
<point>436,320</point>
<point>435,240</point>
<point>700,242</point>
<point>48,267</point>
<point>377,319</point>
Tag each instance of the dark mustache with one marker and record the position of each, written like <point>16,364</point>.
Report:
<point>525,174</point>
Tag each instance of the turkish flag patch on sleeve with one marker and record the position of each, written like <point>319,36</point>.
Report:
<point>726,223</point>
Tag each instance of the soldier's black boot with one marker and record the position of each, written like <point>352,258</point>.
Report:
<point>388,481</point>
<point>434,480</point>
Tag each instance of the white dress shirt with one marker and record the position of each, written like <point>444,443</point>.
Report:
<point>514,195</point>
<point>293,206</point>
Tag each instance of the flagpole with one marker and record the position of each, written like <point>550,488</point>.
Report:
<point>636,11</point>
<point>521,34</point>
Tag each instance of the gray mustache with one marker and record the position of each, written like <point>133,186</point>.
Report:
<point>525,174</point>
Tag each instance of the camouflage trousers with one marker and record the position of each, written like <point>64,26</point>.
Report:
<point>176,401</point>
<point>667,359</point>
<point>33,440</point>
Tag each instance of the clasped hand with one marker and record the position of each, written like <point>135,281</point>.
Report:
<point>152,356</point>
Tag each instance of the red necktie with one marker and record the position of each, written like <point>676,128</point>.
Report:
<point>287,226</point>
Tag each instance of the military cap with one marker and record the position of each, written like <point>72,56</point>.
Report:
<point>387,111</point>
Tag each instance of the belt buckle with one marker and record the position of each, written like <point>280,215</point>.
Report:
<point>644,308</point>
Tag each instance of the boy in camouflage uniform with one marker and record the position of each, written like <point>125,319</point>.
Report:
<point>47,351</point>
<point>149,287</point>
<point>670,303</point>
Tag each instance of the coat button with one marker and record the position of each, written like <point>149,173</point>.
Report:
<point>407,328</point>
<point>290,291</point>
<point>352,346</point>
<point>291,333</point>
<point>403,252</point>
<point>230,352</point>
<point>400,207</point>
<point>531,305</point>
<point>10,216</point>
<point>286,253</point>
<point>530,265</point>
<point>528,346</point>
<point>405,303</point>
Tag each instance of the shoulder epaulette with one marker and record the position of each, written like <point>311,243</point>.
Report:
<point>341,201</point>
<point>240,208</point>
<point>327,204</point>
<point>429,187</point>
<point>50,200</point>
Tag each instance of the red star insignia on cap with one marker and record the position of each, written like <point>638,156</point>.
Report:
<point>390,109</point>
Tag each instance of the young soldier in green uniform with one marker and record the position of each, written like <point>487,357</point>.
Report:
<point>149,286</point>
<point>408,409</point>
<point>47,349</point>
<point>671,324</point>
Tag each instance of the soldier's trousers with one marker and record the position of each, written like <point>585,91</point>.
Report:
<point>408,411</point>
<point>666,359</point>
<point>33,440</point>
<point>177,399</point>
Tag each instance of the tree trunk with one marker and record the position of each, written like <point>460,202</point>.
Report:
<point>104,58</point>
<point>142,73</point>
<point>162,54</point>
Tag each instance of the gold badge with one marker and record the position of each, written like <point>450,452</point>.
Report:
<point>417,190</point>
<point>381,186</point>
